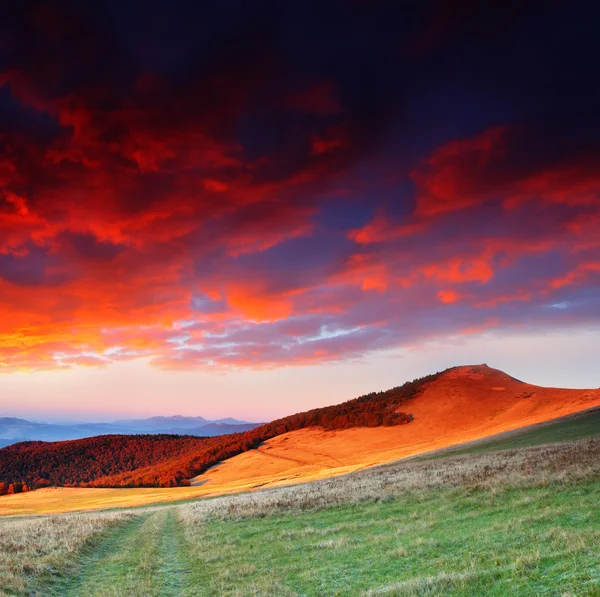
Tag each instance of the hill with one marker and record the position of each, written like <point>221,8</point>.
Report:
<point>462,404</point>
<point>459,405</point>
<point>581,425</point>
<point>122,461</point>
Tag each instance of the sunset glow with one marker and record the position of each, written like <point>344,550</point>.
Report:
<point>199,215</point>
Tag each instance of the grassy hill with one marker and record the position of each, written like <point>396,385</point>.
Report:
<point>463,404</point>
<point>166,460</point>
<point>458,405</point>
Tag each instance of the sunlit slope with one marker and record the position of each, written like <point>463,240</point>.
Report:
<point>463,404</point>
<point>580,425</point>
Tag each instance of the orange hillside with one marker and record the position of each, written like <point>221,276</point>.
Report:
<point>463,404</point>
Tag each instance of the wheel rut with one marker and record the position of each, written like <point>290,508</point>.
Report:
<point>142,558</point>
<point>174,571</point>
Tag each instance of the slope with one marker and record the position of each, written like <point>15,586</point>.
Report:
<point>122,461</point>
<point>40,464</point>
<point>581,425</point>
<point>462,404</point>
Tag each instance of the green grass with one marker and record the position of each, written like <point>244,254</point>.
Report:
<point>524,541</point>
<point>579,426</point>
<point>142,558</point>
<point>533,541</point>
<point>512,523</point>
<point>462,542</point>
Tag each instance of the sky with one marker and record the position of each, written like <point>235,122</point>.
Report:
<point>250,208</point>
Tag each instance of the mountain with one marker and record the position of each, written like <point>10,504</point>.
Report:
<point>177,421</point>
<point>14,430</point>
<point>457,405</point>
<point>462,404</point>
<point>212,429</point>
<point>88,462</point>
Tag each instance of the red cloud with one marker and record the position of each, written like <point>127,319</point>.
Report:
<point>470,172</point>
<point>128,216</point>
<point>332,140</point>
<point>460,270</point>
<point>448,296</point>
<point>460,174</point>
<point>581,272</point>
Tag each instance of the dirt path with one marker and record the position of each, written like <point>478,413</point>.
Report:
<point>143,558</point>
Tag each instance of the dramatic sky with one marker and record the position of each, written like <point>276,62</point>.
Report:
<point>250,208</point>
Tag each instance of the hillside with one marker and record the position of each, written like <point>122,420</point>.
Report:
<point>77,462</point>
<point>165,461</point>
<point>460,405</point>
<point>580,425</point>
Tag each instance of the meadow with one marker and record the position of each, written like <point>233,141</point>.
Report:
<point>516,522</point>
<point>35,552</point>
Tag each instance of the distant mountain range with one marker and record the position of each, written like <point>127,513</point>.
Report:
<point>14,430</point>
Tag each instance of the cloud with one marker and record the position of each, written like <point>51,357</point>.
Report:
<point>258,188</point>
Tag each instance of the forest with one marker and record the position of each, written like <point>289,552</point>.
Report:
<point>170,460</point>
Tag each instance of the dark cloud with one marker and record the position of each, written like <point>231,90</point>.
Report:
<point>257,183</point>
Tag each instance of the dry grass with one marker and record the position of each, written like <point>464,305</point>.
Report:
<point>57,500</point>
<point>34,550</point>
<point>535,466</point>
<point>411,528</point>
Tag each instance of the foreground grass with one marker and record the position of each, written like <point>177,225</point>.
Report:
<point>528,541</point>
<point>36,552</point>
<point>521,522</point>
<point>522,541</point>
<point>140,559</point>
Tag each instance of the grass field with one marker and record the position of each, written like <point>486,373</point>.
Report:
<point>522,541</point>
<point>574,427</point>
<point>34,552</point>
<point>525,541</point>
<point>521,522</point>
<point>56,500</point>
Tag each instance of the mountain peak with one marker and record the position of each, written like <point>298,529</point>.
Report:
<point>481,372</point>
<point>13,421</point>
